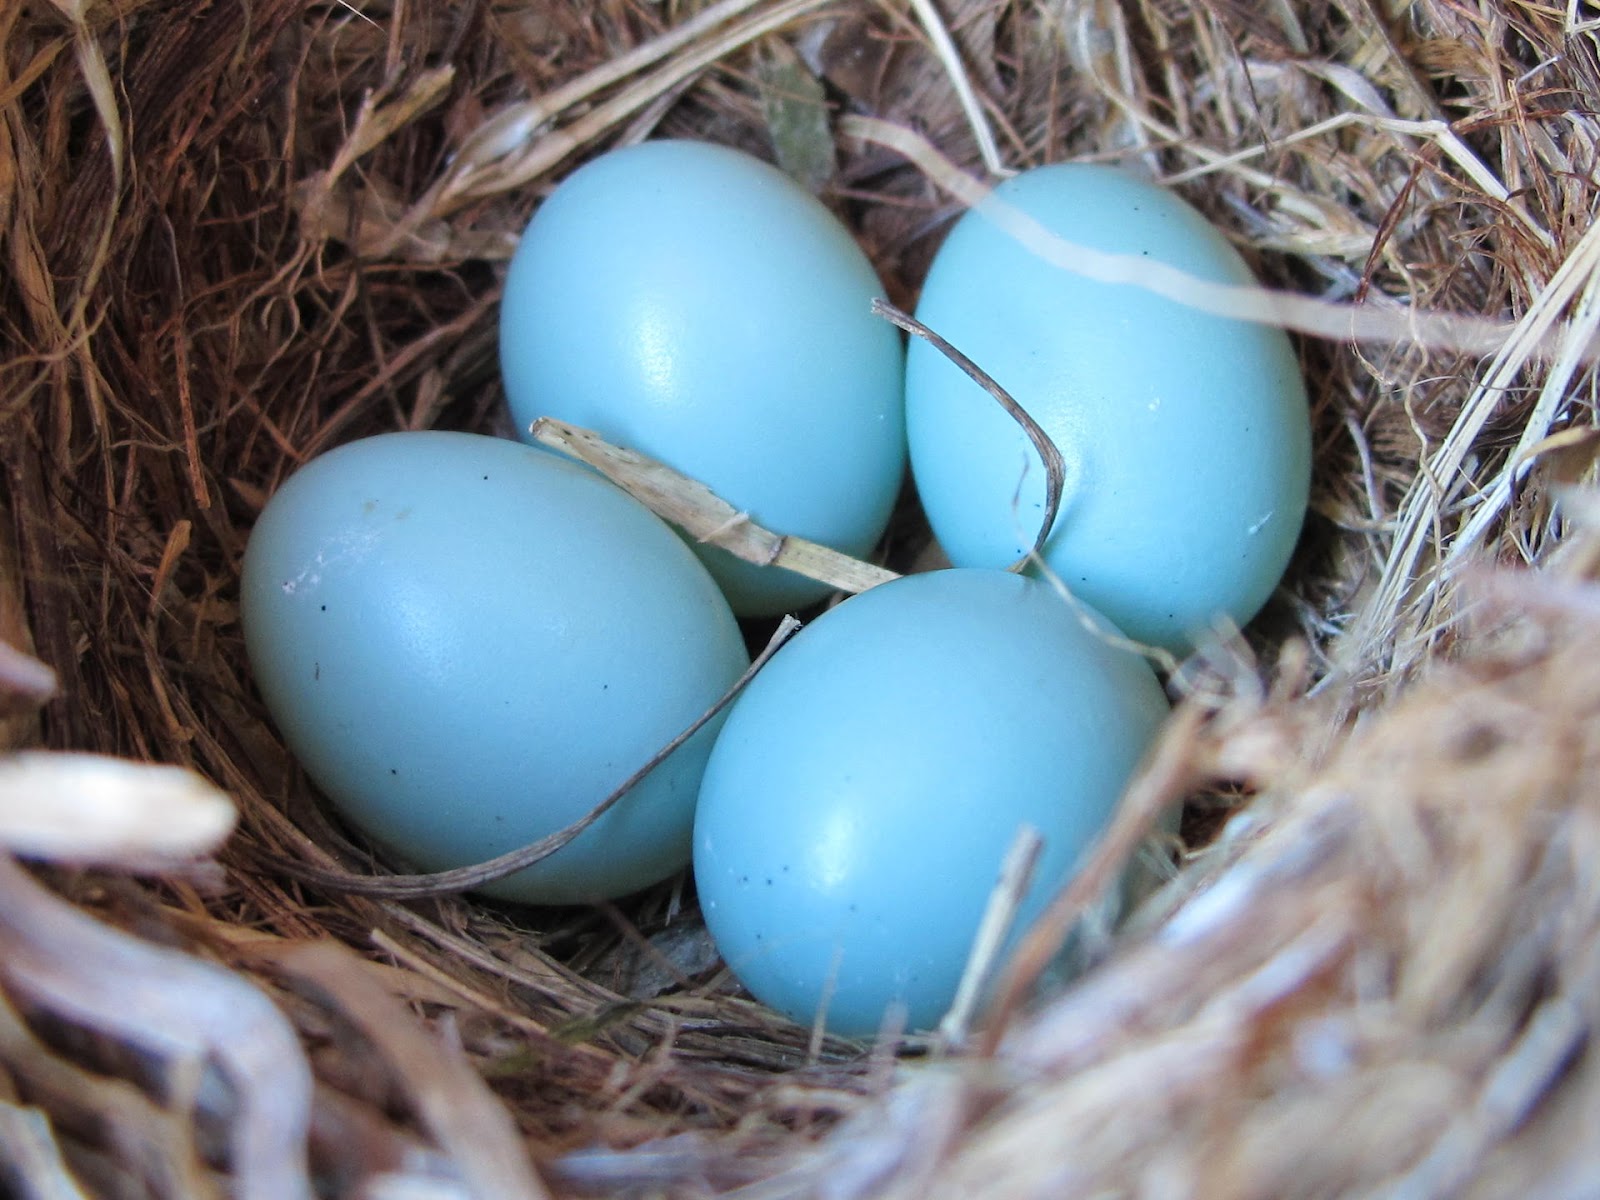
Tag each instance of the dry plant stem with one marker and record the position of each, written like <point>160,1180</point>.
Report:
<point>1378,117</point>
<point>376,123</point>
<point>462,879</point>
<point>510,129</point>
<point>702,514</point>
<point>1383,622</point>
<point>1016,873</point>
<point>1554,395</point>
<point>1438,132</point>
<point>181,332</point>
<point>944,48</point>
<point>539,155</point>
<point>1288,310</point>
<point>173,1007</point>
<point>1164,778</point>
<point>454,1102</point>
<point>96,75</point>
<point>1055,469</point>
<point>514,148</point>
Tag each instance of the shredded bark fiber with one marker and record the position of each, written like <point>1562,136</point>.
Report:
<point>237,235</point>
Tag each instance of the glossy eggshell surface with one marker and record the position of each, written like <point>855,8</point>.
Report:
<point>868,783</point>
<point>468,643</point>
<point>693,303</point>
<point>1186,436</point>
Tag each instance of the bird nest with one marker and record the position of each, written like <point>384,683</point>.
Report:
<point>237,235</point>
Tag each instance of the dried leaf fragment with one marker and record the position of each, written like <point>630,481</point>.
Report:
<point>796,114</point>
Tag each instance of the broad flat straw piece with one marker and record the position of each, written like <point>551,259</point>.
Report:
<point>89,808</point>
<point>705,516</point>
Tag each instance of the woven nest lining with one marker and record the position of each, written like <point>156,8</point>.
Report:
<point>237,235</point>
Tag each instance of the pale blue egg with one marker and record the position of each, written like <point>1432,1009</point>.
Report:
<point>468,643</point>
<point>1186,436</point>
<point>868,783</point>
<point>693,303</point>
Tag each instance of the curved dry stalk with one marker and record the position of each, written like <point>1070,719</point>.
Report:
<point>1055,467</point>
<point>464,879</point>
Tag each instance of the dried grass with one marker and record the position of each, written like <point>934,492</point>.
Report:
<point>237,234</point>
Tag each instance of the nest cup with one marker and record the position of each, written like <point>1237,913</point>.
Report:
<point>237,235</point>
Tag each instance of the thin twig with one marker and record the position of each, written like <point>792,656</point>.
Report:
<point>1000,915</point>
<point>1055,467</point>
